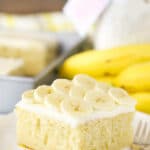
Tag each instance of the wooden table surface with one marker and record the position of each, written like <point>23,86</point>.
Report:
<point>30,6</point>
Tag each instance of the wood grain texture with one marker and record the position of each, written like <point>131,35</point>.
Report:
<point>30,6</point>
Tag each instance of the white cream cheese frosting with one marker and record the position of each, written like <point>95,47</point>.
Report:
<point>78,101</point>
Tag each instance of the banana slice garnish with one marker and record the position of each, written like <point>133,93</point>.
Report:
<point>41,92</point>
<point>28,96</point>
<point>62,86</point>
<point>99,100</point>
<point>53,101</point>
<point>120,96</point>
<point>84,81</point>
<point>77,92</point>
<point>75,107</point>
<point>103,86</point>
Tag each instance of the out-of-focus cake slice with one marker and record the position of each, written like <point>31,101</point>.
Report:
<point>10,66</point>
<point>36,53</point>
<point>56,22</point>
<point>81,114</point>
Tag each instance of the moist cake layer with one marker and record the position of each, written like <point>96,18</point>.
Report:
<point>42,133</point>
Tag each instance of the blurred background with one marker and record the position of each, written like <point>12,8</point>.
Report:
<point>35,39</point>
<point>38,43</point>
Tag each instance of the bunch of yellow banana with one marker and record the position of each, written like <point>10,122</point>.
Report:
<point>107,79</point>
<point>143,101</point>
<point>127,67</point>
<point>135,78</point>
<point>107,62</point>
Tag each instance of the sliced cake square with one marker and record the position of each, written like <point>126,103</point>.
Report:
<point>81,114</point>
<point>36,53</point>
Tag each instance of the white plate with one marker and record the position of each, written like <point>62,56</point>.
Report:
<point>8,132</point>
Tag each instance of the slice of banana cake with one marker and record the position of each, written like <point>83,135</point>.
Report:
<point>78,114</point>
<point>36,53</point>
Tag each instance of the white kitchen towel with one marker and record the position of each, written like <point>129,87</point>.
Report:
<point>83,14</point>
